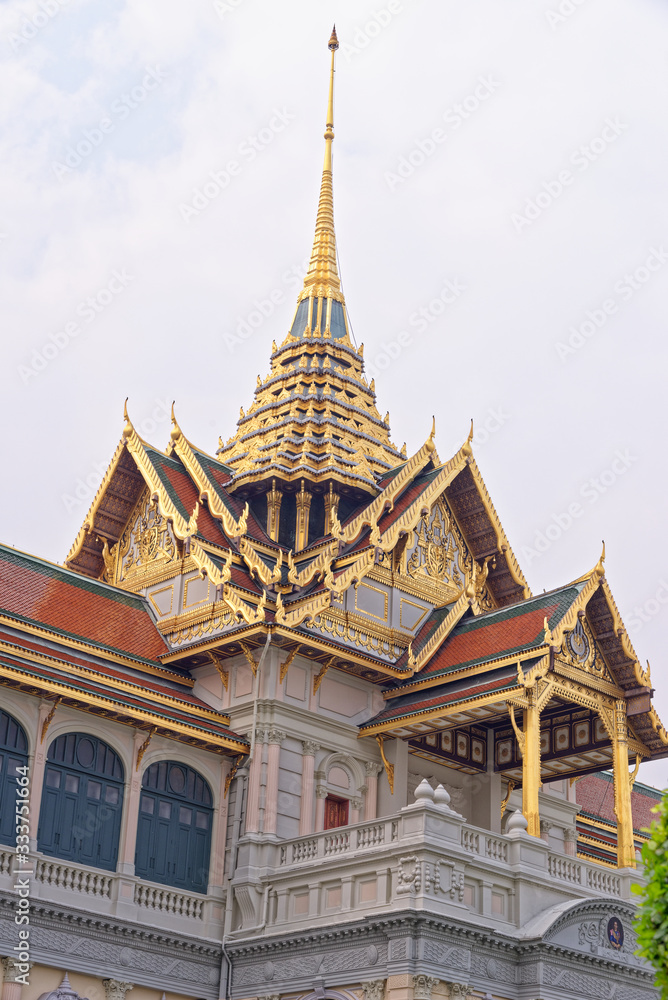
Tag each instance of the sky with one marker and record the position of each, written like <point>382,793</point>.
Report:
<point>502,228</point>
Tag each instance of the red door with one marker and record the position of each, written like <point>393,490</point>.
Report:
<point>336,812</point>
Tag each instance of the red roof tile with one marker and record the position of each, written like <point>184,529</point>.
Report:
<point>491,640</point>
<point>595,794</point>
<point>61,600</point>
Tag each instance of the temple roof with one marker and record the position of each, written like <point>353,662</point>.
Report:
<point>68,604</point>
<point>313,417</point>
<point>97,649</point>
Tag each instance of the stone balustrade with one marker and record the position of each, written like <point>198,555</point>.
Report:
<point>426,857</point>
<point>112,893</point>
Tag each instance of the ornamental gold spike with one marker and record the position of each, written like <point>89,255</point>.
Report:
<point>322,277</point>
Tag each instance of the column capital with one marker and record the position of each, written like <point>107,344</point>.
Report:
<point>373,989</point>
<point>422,987</point>
<point>270,996</point>
<point>114,989</point>
<point>570,834</point>
<point>372,769</point>
<point>458,989</point>
<point>320,792</point>
<point>309,748</point>
<point>275,736</point>
<point>356,803</point>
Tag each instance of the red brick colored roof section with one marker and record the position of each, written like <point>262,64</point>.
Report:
<point>69,603</point>
<point>595,794</point>
<point>490,640</point>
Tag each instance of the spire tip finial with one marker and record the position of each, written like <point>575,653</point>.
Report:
<point>333,42</point>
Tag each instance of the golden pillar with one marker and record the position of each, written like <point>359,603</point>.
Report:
<point>274,498</point>
<point>531,764</point>
<point>303,499</point>
<point>331,507</point>
<point>626,853</point>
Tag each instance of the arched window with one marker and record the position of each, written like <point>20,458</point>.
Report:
<point>174,832</point>
<point>82,800</point>
<point>13,754</point>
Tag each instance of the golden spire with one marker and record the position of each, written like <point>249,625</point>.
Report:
<point>322,278</point>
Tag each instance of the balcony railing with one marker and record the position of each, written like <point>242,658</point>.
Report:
<point>109,892</point>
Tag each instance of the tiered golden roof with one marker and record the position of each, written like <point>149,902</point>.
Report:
<point>314,416</point>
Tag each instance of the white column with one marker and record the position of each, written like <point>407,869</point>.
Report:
<point>371,798</point>
<point>276,737</point>
<point>254,780</point>
<point>320,796</point>
<point>355,809</point>
<point>114,989</point>
<point>37,769</point>
<point>126,865</point>
<point>11,990</point>
<point>309,750</point>
<point>219,832</point>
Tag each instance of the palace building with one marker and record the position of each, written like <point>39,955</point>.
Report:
<point>289,724</point>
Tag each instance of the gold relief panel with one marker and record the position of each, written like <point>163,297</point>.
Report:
<point>437,553</point>
<point>162,600</point>
<point>371,601</point>
<point>581,734</point>
<point>544,742</point>
<point>147,544</point>
<point>446,741</point>
<point>196,591</point>
<point>411,615</point>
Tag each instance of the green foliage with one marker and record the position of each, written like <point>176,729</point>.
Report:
<point>652,920</point>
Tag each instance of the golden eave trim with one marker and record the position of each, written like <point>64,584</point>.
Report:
<point>586,679</point>
<point>343,652</point>
<point>475,668</point>
<point>112,682</point>
<point>443,712</point>
<point>55,687</point>
<point>183,449</point>
<point>502,539</point>
<point>89,520</point>
<point>386,500</point>
<point>217,642</point>
<point>102,653</point>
